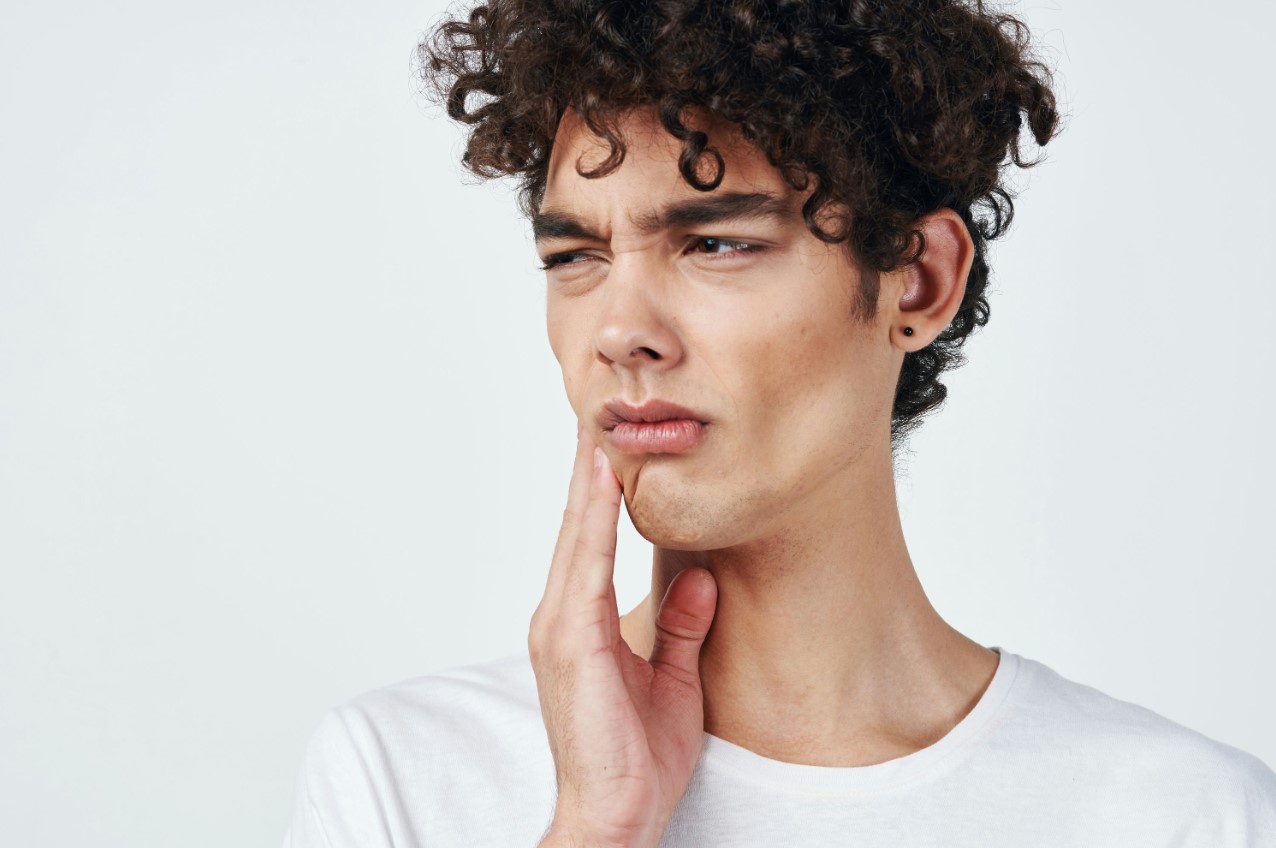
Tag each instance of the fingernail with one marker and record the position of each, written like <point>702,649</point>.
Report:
<point>599,459</point>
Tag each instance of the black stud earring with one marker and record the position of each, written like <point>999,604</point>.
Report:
<point>908,331</point>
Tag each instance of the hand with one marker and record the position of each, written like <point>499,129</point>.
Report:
<point>625,732</point>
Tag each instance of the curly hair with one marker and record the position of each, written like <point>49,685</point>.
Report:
<point>894,109</point>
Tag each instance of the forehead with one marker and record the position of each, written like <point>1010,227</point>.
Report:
<point>649,175</point>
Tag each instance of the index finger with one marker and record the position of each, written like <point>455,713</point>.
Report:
<point>593,561</point>
<point>573,514</point>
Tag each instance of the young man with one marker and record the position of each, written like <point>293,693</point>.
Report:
<point>763,228</point>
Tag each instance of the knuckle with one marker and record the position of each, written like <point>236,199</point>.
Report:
<point>569,519</point>
<point>534,649</point>
<point>595,541</point>
<point>537,647</point>
<point>679,626</point>
<point>536,637</point>
<point>544,643</point>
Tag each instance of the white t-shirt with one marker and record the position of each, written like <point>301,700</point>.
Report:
<point>461,758</point>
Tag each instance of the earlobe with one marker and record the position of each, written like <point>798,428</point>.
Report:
<point>935,284</point>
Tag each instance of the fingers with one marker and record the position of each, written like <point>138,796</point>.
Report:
<point>578,612</point>
<point>577,497</point>
<point>593,560</point>
<point>578,488</point>
<point>682,624</point>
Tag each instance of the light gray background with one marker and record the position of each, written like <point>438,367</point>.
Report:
<point>279,422</point>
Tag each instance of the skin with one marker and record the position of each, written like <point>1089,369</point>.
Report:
<point>785,614</point>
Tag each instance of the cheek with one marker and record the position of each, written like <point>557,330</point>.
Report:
<point>572,349</point>
<point>802,364</point>
<point>849,397</point>
<point>575,384</point>
<point>813,391</point>
<point>556,329</point>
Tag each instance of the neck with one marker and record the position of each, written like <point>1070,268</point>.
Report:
<point>824,648</point>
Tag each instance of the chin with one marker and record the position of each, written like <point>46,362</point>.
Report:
<point>681,523</point>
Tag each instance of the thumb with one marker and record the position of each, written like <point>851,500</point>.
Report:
<point>682,624</point>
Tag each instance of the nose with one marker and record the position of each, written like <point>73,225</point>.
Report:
<point>635,328</point>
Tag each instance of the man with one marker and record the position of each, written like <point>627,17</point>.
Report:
<point>763,229</point>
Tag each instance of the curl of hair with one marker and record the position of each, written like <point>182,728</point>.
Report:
<point>895,109</point>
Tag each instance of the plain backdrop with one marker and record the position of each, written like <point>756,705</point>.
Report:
<point>279,422</point>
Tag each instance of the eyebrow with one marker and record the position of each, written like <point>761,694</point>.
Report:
<point>728,206</point>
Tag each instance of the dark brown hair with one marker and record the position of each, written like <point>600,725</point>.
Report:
<point>894,109</point>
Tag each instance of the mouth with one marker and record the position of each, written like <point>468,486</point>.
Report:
<point>656,426</point>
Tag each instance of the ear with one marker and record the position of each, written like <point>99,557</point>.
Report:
<point>931,289</point>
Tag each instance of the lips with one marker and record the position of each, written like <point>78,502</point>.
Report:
<point>656,426</point>
<point>617,412</point>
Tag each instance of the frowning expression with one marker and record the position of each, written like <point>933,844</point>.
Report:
<point>722,303</point>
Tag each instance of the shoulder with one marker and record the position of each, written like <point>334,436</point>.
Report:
<point>450,712</point>
<point>429,736</point>
<point>1091,719</point>
<point>490,690</point>
<point>1152,763</point>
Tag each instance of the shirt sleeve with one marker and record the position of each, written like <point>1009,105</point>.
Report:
<point>306,829</point>
<point>1242,808</point>
<point>336,800</point>
<point>1259,801</point>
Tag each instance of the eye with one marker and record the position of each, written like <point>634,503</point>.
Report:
<point>720,246</point>
<point>557,260</point>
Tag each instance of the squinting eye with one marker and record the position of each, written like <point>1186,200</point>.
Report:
<point>559,259</point>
